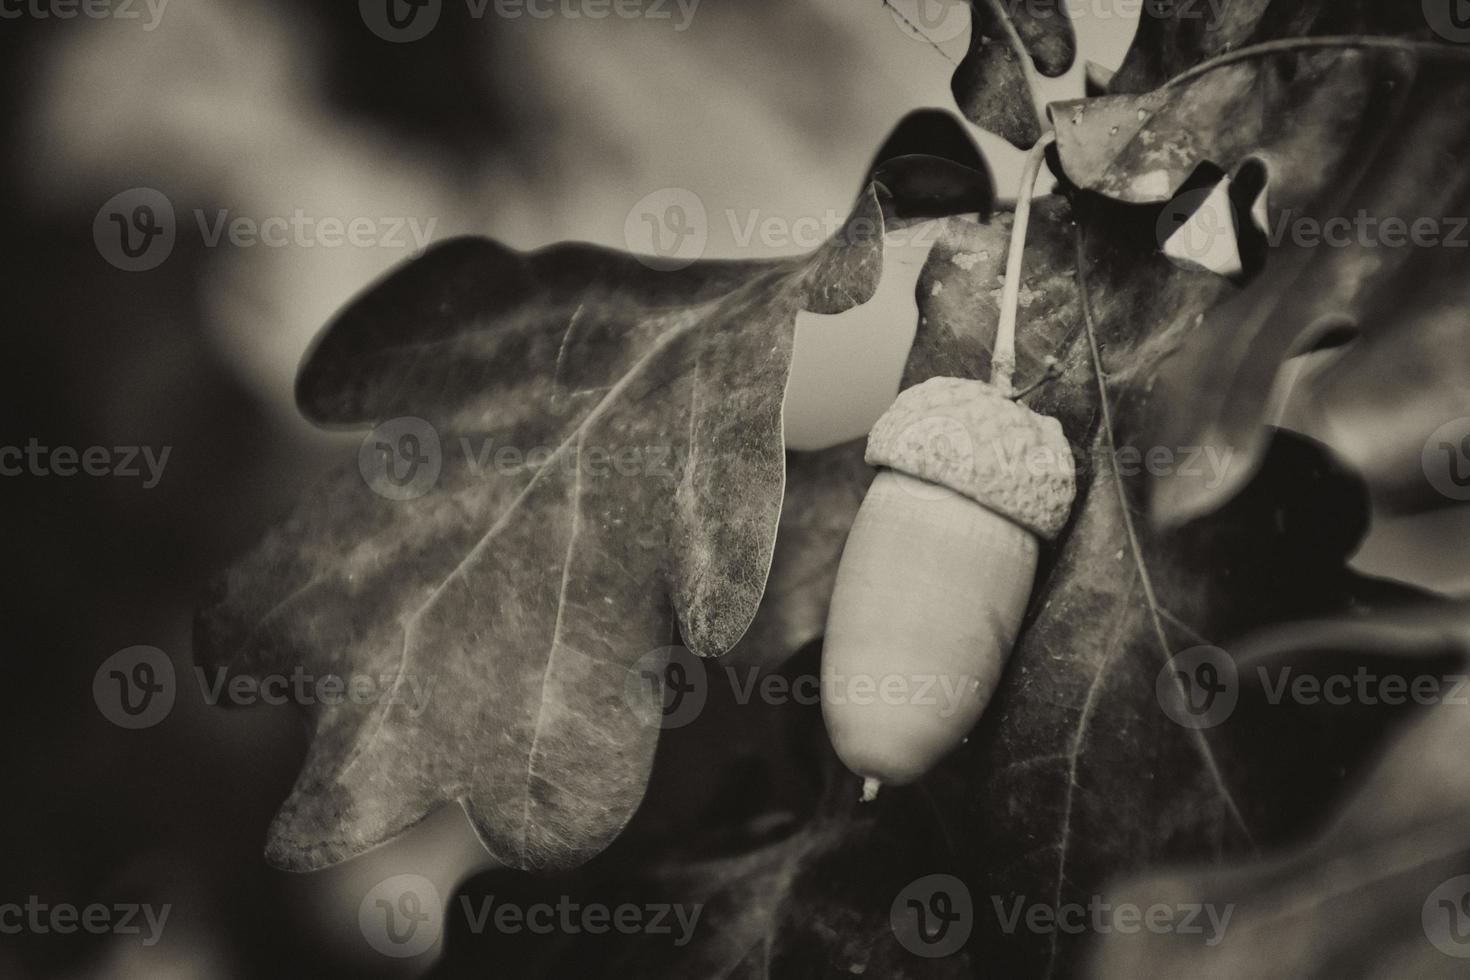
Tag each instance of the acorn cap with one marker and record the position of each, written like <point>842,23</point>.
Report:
<point>967,436</point>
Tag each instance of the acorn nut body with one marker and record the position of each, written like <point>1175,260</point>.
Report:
<point>937,572</point>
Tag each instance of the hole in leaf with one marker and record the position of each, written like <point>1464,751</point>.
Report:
<point>1326,334</point>
<point>1249,200</point>
<point>1197,228</point>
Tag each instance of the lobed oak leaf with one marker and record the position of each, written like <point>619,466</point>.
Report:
<point>576,461</point>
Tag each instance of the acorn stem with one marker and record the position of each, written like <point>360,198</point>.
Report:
<point>871,787</point>
<point>1003,360</point>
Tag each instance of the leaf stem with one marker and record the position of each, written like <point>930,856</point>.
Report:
<point>1003,360</point>
<point>1053,371</point>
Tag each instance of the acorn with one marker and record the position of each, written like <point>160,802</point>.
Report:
<point>939,564</point>
<point>937,572</point>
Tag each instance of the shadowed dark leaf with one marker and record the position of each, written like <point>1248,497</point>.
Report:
<point>1076,774</point>
<point>992,86</point>
<point>933,132</point>
<point>1368,130</point>
<point>1176,35</point>
<point>823,492</point>
<point>1381,893</point>
<point>766,853</point>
